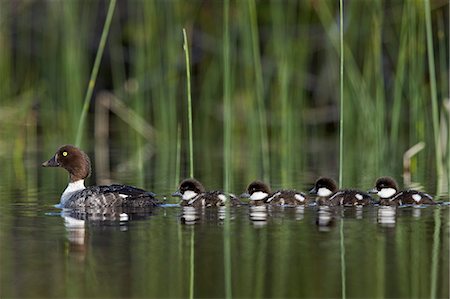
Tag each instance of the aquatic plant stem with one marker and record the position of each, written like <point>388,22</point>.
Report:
<point>341,139</point>
<point>342,249</point>
<point>192,265</point>
<point>188,76</point>
<point>434,101</point>
<point>341,80</point>
<point>435,256</point>
<point>227,146</point>
<point>259,91</point>
<point>94,73</point>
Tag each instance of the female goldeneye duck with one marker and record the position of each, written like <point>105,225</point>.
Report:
<point>192,193</point>
<point>328,194</point>
<point>259,193</point>
<point>76,195</point>
<point>387,189</point>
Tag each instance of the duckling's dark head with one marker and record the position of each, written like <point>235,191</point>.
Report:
<point>385,187</point>
<point>324,187</point>
<point>189,188</point>
<point>257,190</point>
<point>74,160</point>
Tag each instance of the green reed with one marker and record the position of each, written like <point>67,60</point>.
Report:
<point>227,155</point>
<point>188,84</point>
<point>94,73</point>
<point>341,140</point>
<point>259,90</point>
<point>341,91</point>
<point>435,253</point>
<point>434,100</point>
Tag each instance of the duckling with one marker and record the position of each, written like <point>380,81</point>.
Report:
<point>192,193</point>
<point>387,189</point>
<point>328,194</point>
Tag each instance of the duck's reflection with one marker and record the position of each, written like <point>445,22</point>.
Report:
<point>386,216</point>
<point>258,215</point>
<point>325,218</point>
<point>76,221</point>
<point>200,215</point>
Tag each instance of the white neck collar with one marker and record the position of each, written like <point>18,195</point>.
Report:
<point>71,189</point>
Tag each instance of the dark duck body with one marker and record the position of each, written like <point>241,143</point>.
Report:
<point>387,189</point>
<point>192,193</point>
<point>77,196</point>
<point>260,193</point>
<point>328,194</point>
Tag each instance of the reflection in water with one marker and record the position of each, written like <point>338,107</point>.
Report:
<point>417,212</point>
<point>325,218</point>
<point>258,215</point>
<point>359,212</point>
<point>386,215</point>
<point>190,215</point>
<point>75,222</point>
<point>299,212</point>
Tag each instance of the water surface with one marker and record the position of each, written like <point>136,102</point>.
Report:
<point>275,252</point>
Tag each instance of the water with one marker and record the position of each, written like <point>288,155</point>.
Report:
<point>275,252</point>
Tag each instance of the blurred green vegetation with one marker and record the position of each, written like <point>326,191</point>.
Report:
<point>282,88</point>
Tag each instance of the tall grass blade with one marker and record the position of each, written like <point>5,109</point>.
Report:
<point>341,138</point>
<point>259,91</point>
<point>341,88</point>
<point>227,145</point>
<point>434,100</point>
<point>95,68</point>
<point>188,76</point>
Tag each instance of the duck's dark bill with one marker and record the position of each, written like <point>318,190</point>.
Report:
<point>51,163</point>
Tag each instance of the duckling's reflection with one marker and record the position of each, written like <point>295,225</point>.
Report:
<point>299,212</point>
<point>417,211</point>
<point>325,218</point>
<point>190,215</point>
<point>198,215</point>
<point>386,216</point>
<point>258,215</point>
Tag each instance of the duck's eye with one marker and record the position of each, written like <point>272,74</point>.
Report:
<point>65,154</point>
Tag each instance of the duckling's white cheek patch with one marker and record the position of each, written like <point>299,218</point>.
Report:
<point>299,197</point>
<point>222,197</point>
<point>258,195</point>
<point>324,192</point>
<point>189,195</point>
<point>386,192</point>
<point>417,197</point>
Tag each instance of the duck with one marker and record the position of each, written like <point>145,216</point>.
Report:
<point>260,193</point>
<point>329,194</point>
<point>387,189</point>
<point>193,193</point>
<point>78,196</point>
